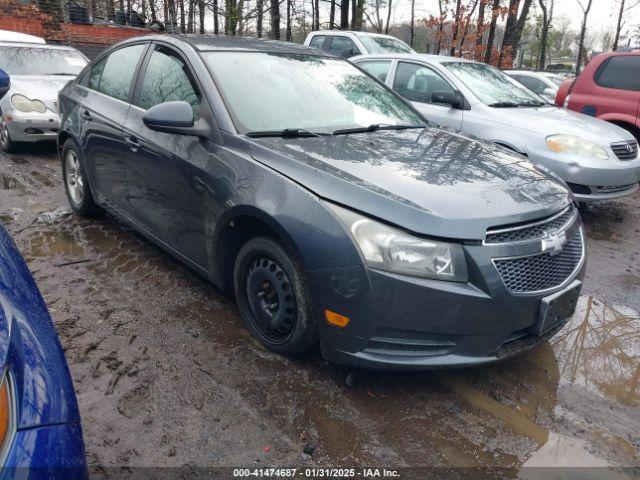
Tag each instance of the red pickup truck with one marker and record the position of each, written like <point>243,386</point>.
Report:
<point>608,88</point>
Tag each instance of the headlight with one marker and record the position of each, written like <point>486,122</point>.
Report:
<point>573,144</point>
<point>23,104</point>
<point>393,250</point>
<point>6,416</point>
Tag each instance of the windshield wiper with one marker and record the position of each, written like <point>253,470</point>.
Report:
<point>61,74</point>
<point>505,105</point>
<point>373,127</point>
<point>286,133</point>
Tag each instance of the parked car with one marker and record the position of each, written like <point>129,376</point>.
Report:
<point>17,37</point>
<point>5,83</point>
<point>348,44</point>
<point>40,433</point>
<point>29,112</point>
<point>544,84</point>
<point>608,88</point>
<point>598,160</point>
<point>323,200</point>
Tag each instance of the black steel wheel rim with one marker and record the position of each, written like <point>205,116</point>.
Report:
<point>271,300</point>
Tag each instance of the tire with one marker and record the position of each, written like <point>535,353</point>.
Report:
<point>265,275</point>
<point>76,183</point>
<point>6,144</point>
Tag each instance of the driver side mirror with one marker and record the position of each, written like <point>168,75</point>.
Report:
<point>5,83</point>
<point>447,98</point>
<point>174,117</point>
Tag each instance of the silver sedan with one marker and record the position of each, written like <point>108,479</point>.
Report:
<point>29,111</point>
<point>597,159</point>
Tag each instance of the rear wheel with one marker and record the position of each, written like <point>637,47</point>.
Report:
<point>6,144</point>
<point>76,183</point>
<point>272,297</point>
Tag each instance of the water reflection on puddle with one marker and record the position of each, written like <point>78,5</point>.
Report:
<point>599,349</point>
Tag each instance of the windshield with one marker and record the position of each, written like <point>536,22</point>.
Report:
<point>492,86</point>
<point>40,61</point>
<point>557,79</point>
<point>383,44</point>
<point>315,93</point>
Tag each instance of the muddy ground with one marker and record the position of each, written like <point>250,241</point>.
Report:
<point>167,375</point>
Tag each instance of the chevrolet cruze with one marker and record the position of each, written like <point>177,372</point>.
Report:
<point>323,201</point>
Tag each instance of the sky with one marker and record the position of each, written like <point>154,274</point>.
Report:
<point>603,14</point>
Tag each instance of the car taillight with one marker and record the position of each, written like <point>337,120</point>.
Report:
<point>6,415</point>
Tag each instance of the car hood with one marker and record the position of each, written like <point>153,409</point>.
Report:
<point>40,87</point>
<point>550,120</point>
<point>428,181</point>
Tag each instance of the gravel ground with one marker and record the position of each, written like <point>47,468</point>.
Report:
<point>167,375</point>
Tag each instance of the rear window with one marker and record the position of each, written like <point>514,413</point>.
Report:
<point>622,73</point>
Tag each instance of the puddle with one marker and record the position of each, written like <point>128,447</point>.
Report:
<point>599,349</point>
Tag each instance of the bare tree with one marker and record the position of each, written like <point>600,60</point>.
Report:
<point>513,29</point>
<point>619,25</point>
<point>495,12</point>
<point>288,28</point>
<point>202,13</point>
<point>547,14</point>
<point>259,17</point>
<point>386,28</point>
<point>583,29</point>
<point>344,14</point>
<point>454,29</point>
<point>332,14</point>
<point>413,23</point>
<point>216,24</point>
<point>275,19</point>
<point>439,32</point>
<point>480,30</point>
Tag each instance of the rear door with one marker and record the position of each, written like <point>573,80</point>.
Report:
<point>165,172</point>
<point>103,110</point>
<point>416,83</point>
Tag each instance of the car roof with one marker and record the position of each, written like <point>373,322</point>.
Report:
<point>11,36</point>
<point>240,44</point>
<point>351,32</point>
<point>425,57</point>
<point>36,45</point>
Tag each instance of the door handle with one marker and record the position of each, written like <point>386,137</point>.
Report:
<point>86,115</point>
<point>132,142</point>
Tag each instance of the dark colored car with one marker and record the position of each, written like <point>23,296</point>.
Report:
<point>322,199</point>
<point>608,88</point>
<point>40,433</point>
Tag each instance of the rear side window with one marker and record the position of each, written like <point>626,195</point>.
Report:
<point>533,84</point>
<point>113,74</point>
<point>317,41</point>
<point>417,83</point>
<point>621,72</point>
<point>167,78</point>
<point>343,47</point>
<point>379,69</point>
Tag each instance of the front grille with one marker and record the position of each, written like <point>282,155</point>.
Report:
<point>532,231</point>
<point>615,188</point>
<point>625,150</point>
<point>543,271</point>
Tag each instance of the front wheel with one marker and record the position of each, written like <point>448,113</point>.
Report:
<point>76,183</point>
<point>6,144</point>
<point>272,297</point>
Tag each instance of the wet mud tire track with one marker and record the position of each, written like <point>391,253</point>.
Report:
<point>167,375</point>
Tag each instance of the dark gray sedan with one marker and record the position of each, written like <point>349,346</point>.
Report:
<point>323,200</point>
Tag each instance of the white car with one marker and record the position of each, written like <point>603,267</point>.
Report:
<point>348,44</point>
<point>38,71</point>
<point>544,84</point>
<point>597,159</point>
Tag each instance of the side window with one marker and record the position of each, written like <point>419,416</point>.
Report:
<point>533,84</point>
<point>417,83</point>
<point>113,74</point>
<point>167,78</point>
<point>317,41</point>
<point>379,69</point>
<point>621,72</point>
<point>343,47</point>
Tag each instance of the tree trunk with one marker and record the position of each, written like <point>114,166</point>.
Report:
<point>513,30</point>
<point>495,12</point>
<point>583,30</point>
<point>344,14</point>
<point>454,30</point>
<point>152,9</point>
<point>477,55</point>
<point>360,5</point>
<point>259,8</point>
<point>316,26</point>
<point>542,58</point>
<point>275,19</point>
<point>288,29</point>
<point>413,23</point>
<point>202,12</point>
<point>618,26</point>
<point>332,15</point>
<point>190,17</point>
<point>183,23</point>
<point>386,28</point>
<point>216,25</point>
<point>440,28</point>
<point>467,22</point>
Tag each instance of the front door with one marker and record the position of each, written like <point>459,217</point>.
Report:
<point>165,172</point>
<point>417,83</point>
